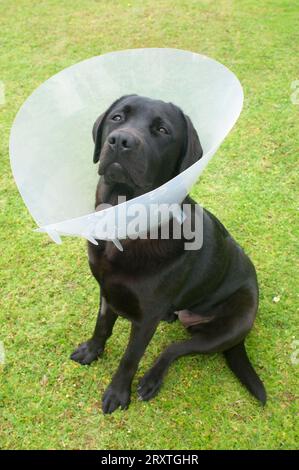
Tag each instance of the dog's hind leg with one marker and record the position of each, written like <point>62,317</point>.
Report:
<point>151,382</point>
<point>170,317</point>
<point>90,350</point>
<point>224,334</point>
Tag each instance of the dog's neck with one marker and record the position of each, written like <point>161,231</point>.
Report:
<point>150,250</point>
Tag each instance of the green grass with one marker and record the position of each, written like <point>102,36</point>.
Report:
<point>48,298</point>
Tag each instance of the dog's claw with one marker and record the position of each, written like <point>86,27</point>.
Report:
<point>114,399</point>
<point>149,386</point>
<point>86,353</point>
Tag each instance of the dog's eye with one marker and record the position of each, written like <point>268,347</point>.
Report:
<point>116,117</point>
<point>163,130</point>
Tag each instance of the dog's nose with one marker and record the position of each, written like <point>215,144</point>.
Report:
<point>121,141</point>
<point>115,174</point>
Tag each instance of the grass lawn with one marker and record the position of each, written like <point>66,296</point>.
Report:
<point>49,299</point>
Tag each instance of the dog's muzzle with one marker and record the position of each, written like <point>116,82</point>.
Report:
<point>119,144</point>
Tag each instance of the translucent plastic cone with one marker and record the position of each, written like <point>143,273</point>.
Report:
<point>51,146</point>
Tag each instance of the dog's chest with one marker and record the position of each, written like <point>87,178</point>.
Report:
<point>126,288</point>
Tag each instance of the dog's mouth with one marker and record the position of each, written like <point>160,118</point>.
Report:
<point>124,172</point>
<point>119,181</point>
<point>115,173</point>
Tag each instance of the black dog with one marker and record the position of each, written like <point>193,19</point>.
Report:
<point>142,143</point>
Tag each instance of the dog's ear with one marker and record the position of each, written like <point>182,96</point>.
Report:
<point>97,136</point>
<point>192,150</point>
<point>98,128</point>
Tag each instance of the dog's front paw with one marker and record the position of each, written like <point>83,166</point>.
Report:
<point>87,352</point>
<point>149,385</point>
<point>114,398</point>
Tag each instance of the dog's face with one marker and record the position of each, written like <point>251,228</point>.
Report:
<point>141,143</point>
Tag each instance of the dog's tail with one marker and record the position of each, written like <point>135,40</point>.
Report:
<point>239,363</point>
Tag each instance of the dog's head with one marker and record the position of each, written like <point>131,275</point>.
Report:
<point>142,143</point>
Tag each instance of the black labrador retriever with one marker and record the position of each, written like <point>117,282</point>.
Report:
<point>141,143</point>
